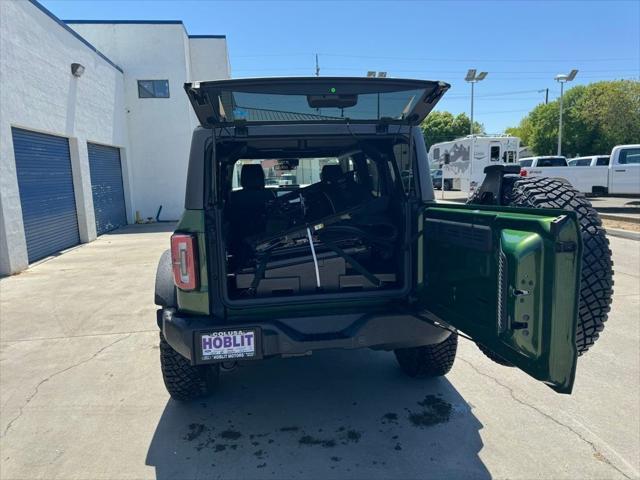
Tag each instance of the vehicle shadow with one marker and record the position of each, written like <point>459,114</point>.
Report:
<point>144,228</point>
<point>337,414</point>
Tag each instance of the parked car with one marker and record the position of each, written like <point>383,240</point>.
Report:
<point>358,259</point>
<point>592,161</point>
<point>436,177</point>
<point>620,174</point>
<point>548,161</point>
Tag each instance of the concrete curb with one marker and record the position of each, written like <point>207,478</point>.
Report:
<point>616,232</point>
<point>622,218</point>
<point>631,210</point>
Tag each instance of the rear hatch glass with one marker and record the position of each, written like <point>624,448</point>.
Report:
<point>314,99</point>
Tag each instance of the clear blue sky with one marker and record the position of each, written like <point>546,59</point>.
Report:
<point>521,44</point>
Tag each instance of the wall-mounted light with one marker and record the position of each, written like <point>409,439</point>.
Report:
<point>77,70</point>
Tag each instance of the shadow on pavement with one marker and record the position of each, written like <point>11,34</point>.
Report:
<point>337,414</point>
<point>144,228</point>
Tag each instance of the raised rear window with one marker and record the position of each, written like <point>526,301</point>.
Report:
<point>317,99</point>
<point>261,107</point>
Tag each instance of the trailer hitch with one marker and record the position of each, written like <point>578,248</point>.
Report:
<point>490,192</point>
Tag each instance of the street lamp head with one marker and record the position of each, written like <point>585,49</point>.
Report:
<point>566,77</point>
<point>473,78</point>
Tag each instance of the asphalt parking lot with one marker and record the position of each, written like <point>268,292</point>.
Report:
<point>82,394</point>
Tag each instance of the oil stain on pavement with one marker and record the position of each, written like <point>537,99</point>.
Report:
<point>352,423</point>
<point>434,410</point>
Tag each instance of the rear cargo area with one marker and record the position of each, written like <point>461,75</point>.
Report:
<point>330,220</point>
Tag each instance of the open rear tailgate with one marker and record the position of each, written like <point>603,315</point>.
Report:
<point>314,100</point>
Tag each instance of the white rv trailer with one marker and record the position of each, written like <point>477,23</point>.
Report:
<point>464,159</point>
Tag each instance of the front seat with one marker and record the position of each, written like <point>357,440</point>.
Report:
<point>331,173</point>
<point>247,207</point>
<point>341,189</point>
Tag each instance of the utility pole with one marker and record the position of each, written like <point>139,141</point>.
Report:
<point>546,96</point>
<point>562,79</point>
<point>560,125</point>
<point>471,124</point>
<point>317,66</point>
<point>473,78</point>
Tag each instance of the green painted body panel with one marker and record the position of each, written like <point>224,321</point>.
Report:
<point>196,302</point>
<point>492,272</point>
<point>495,274</point>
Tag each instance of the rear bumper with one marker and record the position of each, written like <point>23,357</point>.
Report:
<point>303,335</point>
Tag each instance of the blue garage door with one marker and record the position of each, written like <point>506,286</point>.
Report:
<point>106,186</point>
<point>45,181</point>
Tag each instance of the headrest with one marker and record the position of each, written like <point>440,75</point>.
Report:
<point>252,176</point>
<point>331,173</point>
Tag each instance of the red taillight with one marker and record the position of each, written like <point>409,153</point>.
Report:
<point>523,172</point>
<point>184,255</point>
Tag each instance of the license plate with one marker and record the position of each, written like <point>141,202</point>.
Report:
<point>228,344</point>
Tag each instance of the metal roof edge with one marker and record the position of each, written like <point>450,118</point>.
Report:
<point>140,22</point>
<point>207,36</point>
<point>130,22</point>
<point>44,10</point>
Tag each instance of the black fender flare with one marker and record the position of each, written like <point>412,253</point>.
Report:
<point>165,291</point>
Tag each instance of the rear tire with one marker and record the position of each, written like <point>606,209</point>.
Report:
<point>596,286</point>
<point>428,360</point>
<point>184,381</point>
<point>496,358</point>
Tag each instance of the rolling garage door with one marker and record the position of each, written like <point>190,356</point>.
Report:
<point>45,182</point>
<point>106,186</point>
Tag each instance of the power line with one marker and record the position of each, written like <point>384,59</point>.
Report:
<point>504,111</point>
<point>493,60</point>
<point>453,72</point>
<point>442,59</point>
<point>496,94</point>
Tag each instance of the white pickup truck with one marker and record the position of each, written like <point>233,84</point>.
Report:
<point>549,161</point>
<point>591,161</point>
<point>620,176</point>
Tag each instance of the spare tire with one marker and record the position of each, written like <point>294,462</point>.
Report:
<point>596,286</point>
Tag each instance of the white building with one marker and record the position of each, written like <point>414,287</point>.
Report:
<point>94,125</point>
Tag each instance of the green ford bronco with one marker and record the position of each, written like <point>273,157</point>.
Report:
<point>310,223</point>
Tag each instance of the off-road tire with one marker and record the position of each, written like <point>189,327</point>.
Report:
<point>596,286</point>
<point>496,358</point>
<point>184,381</point>
<point>429,360</point>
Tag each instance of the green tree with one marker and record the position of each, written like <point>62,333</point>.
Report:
<point>444,126</point>
<point>523,131</point>
<point>596,117</point>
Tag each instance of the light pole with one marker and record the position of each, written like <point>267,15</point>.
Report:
<point>472,78</point>
<point>562,79</point>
